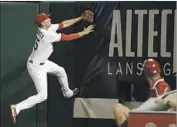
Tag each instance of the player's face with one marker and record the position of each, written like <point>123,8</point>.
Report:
<point>47,22</point>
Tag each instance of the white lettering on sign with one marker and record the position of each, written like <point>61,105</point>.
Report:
<point>130,68</point>
<point>156,43</point>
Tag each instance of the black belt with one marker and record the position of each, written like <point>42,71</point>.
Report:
<point>39,63</point>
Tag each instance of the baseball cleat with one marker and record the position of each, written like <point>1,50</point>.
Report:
<point>13,112</point>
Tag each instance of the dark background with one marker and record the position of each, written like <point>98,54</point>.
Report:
<point>85,61</point>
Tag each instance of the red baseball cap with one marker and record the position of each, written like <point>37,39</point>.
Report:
<point>41,17</point>
<point>151,66</point>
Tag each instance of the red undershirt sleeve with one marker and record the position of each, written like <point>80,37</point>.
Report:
<point>69,37</point>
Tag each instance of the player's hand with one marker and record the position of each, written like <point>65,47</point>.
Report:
<point>89,29</point>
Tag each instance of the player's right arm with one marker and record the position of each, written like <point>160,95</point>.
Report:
<point>55,37</point>
<point>73,36</point>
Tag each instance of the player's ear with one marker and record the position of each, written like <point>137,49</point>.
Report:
<point>42,23</point>
<point>39,25</point>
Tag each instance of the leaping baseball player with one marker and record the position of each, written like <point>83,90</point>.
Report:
<point>38,64</point>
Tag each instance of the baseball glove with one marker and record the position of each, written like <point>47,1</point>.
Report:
<point>88,16</point>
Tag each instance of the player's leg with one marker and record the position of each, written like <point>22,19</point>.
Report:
<point>59,71</point>
<point>39,78</point>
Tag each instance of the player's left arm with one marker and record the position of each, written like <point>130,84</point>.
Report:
<point>70,22</point>
<point>64,24</point>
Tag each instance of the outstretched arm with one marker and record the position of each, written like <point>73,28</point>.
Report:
<point>87,15</point>
<point>70,22</point>
<point>74,36</point>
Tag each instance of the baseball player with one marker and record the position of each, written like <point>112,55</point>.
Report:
<point>38,64</point>
<point>157,84</point>
<point>158,88</point>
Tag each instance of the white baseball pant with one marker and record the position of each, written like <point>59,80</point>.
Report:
<point>38,74</point>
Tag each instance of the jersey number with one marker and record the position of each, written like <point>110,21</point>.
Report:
<point>36,44</point>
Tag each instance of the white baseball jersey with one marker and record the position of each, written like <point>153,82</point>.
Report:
<point>43,47</point>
